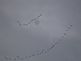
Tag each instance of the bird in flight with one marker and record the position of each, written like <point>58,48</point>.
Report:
<point>19,23</point>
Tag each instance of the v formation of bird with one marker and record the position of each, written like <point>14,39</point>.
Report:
<point>35,20</point>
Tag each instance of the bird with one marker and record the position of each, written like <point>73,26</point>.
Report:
<point>26,57</point>
<point>33,54</point>
<point>37,22</point>
<point>14,59</point>
<point>65,34</point>
<point>40,15</point>
<point>30,56</point>
<point>71,25</point>
<point>41,52</point>
<point>19,23</point>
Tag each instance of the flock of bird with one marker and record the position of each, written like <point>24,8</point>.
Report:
<point>42,51</point>
<point>35,20</point>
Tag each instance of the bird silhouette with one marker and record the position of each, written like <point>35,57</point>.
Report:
<point>19,23</point>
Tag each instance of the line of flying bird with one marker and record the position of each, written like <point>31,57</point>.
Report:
<point>43,50</point>
<point>35,20</point>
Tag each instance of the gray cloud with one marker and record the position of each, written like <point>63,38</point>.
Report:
<point>60,20</point>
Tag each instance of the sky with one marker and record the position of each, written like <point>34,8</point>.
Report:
<point>40,30</point>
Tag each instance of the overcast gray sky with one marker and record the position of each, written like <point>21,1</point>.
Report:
<point>55,21</point>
